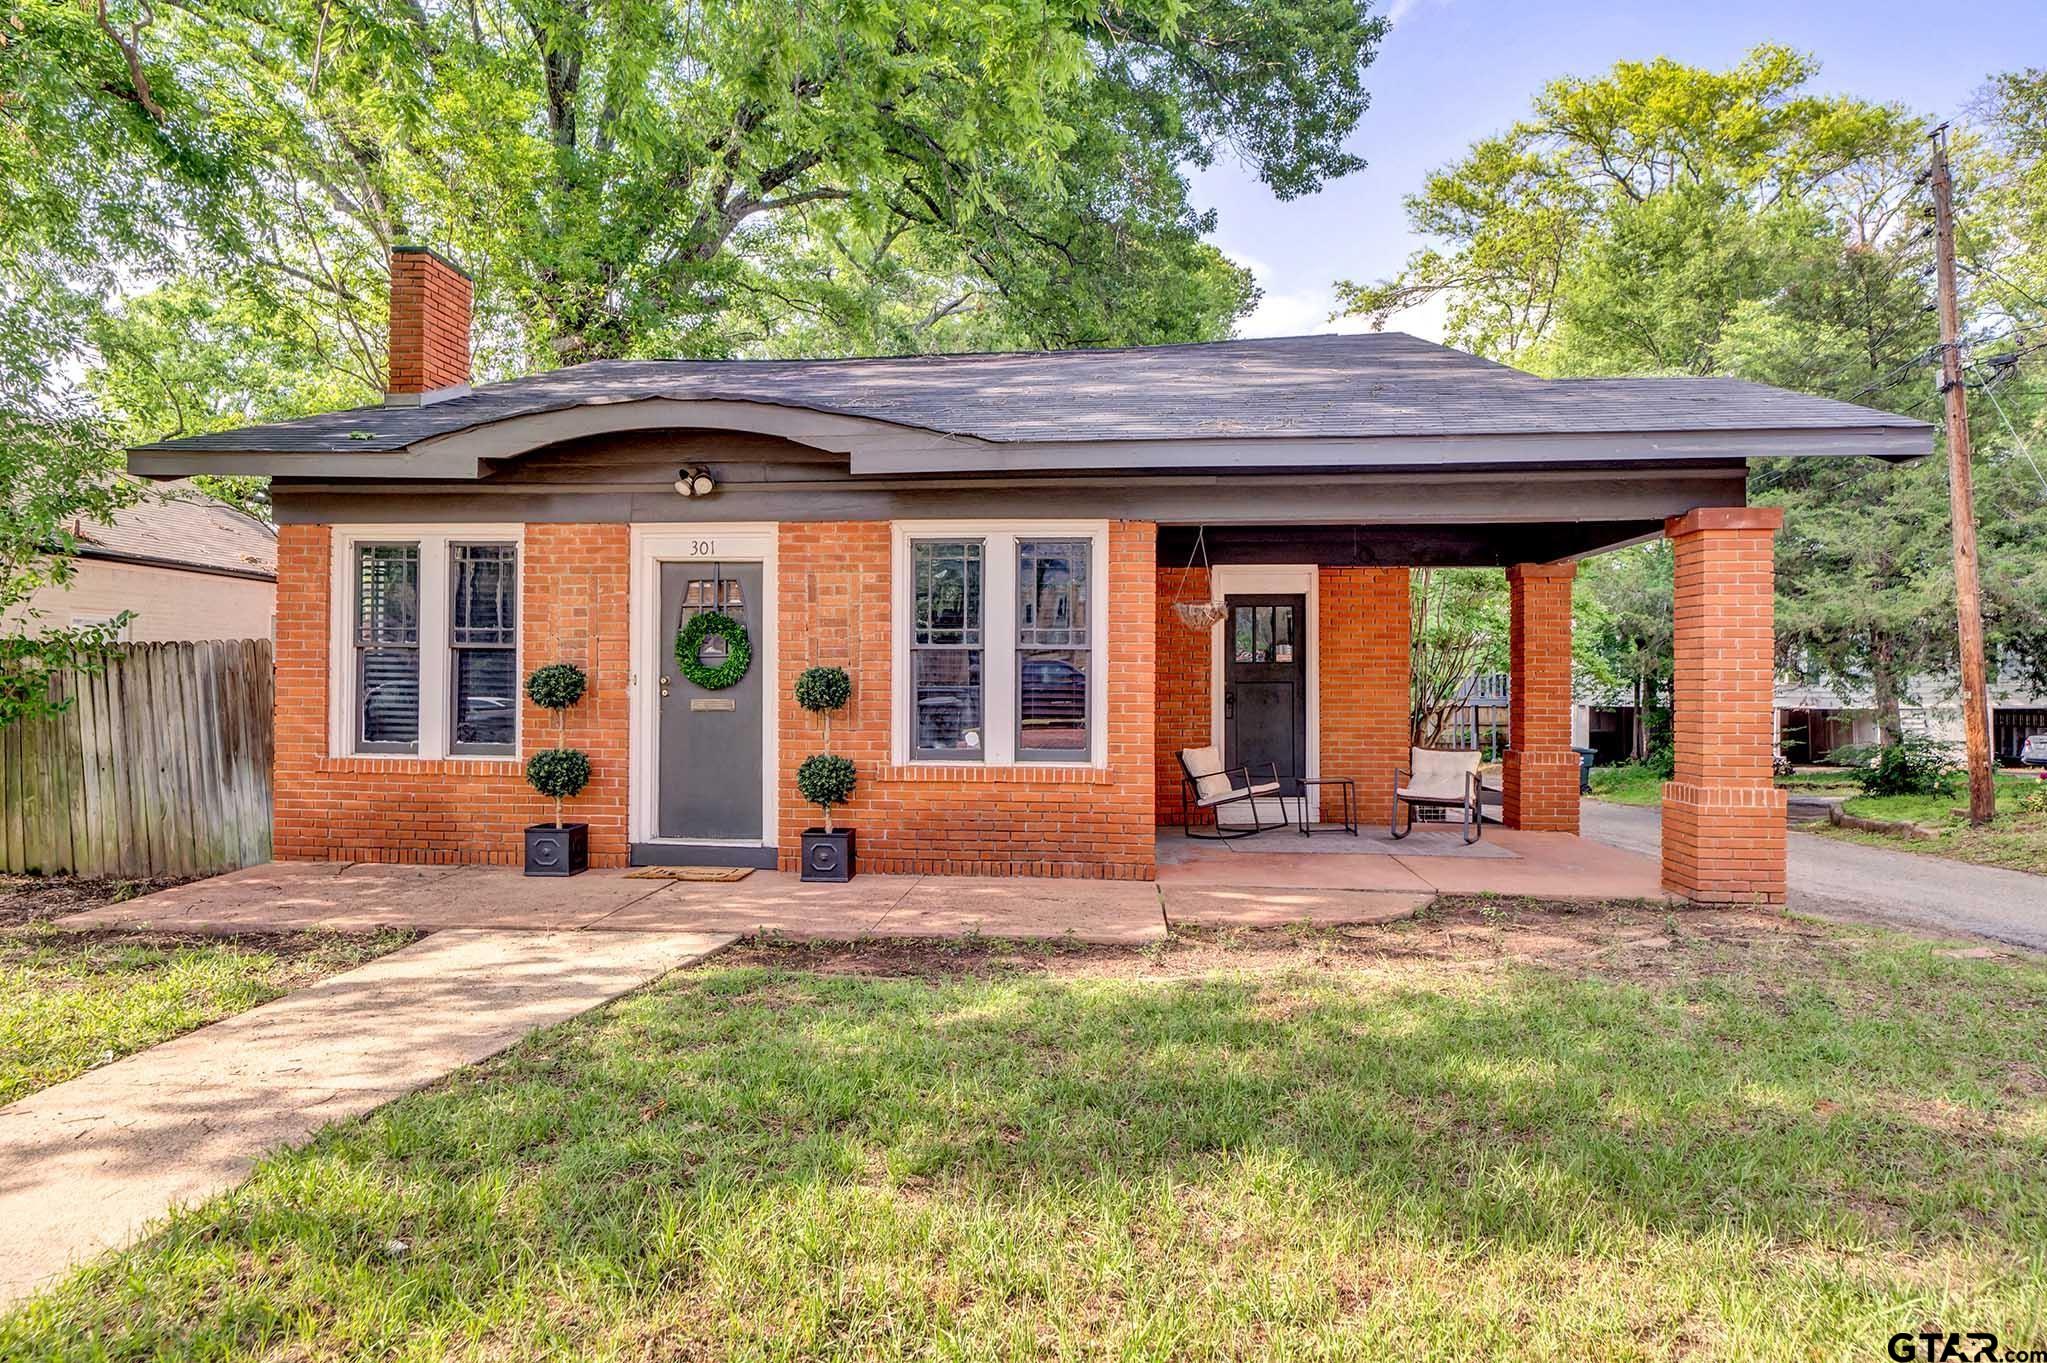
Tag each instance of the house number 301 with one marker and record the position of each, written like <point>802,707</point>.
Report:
<point>703,548</point>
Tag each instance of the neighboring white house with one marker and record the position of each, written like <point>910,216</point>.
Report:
<point>188,566</point>
<point>1812,721</point>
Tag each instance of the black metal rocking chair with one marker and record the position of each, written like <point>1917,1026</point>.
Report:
<point>1206,784</point>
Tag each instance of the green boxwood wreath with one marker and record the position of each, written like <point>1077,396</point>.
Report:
<point>689,642</point>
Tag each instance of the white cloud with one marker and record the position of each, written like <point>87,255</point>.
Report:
<point>1306,312</point>
<point>1400,9</point>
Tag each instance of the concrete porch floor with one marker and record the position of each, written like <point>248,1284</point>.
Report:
<point>1263,880</point>
<point>1505,861</point>
<point>355,896</point>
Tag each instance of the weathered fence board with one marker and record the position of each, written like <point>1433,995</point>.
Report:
<point>158,766</point>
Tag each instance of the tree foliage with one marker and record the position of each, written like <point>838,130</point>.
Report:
<point>1667,219</point>
<point>650,177</point>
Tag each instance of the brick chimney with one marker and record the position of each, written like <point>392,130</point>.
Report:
<point>429,329</point>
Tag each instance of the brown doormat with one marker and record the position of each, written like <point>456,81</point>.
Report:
<point>717,873</point>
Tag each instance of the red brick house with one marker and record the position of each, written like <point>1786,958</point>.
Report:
<point>992,545</point>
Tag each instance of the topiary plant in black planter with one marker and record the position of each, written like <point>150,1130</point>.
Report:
<point>826,779</point>
<point>559,773</point>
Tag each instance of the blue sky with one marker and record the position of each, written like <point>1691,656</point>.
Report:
<point>1452,71</point>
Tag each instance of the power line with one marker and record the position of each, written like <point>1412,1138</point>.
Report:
<point>2018,288</point>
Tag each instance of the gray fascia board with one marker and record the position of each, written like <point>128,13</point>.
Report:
<point>882,448</point>
<point>461,454</point>
<point>1414,452</point>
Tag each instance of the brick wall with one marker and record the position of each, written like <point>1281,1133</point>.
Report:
<point>964,820</point>
<point>573,599</point>
<point>1723,819</point>
<point>1362,619</point>
<point>1539,776</point>
<point>1362,624</point>
<point>1184,715</point>
<point>430,301</point>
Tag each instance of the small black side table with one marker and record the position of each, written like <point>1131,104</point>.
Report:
<point>1350,804</point>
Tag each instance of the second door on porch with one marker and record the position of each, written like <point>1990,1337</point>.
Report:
<point>1265,685</point>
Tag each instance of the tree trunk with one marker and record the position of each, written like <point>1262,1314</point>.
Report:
<point>1885,687</point>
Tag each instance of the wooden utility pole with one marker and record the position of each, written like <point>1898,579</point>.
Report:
<point>1961,497</point>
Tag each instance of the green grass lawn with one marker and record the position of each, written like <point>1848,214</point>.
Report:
<point>1628,784</point>
<point>1502,1131</point>
<point>70,1001</point>
<point>2015,839</point>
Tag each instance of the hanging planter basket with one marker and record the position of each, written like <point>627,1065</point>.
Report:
<point>1199,615</point>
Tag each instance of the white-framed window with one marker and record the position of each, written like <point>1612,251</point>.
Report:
<point>425,656</point>
<point>1000,642</point>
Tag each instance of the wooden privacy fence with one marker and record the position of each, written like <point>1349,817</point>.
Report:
<point>159,766</point>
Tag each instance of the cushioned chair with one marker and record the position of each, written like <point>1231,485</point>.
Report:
<point>1207,784</point>
<point>1436,779</point>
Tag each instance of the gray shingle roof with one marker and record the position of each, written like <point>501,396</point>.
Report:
<point>1305,387</point>
<point>179,526</point>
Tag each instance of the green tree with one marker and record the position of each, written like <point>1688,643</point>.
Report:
<point>763,177</point>
<point>54,476</point>
<point>1667,219</point>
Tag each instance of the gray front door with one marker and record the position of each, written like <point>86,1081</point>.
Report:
<point>710,740</point>
<point>1265,686</point>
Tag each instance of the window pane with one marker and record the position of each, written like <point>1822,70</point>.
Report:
<point>390,696</point>
<point>387,593</point>
<point>486,696</point>
<point>947,693</point>
<point>1051,593</point>
<point>484,596</point>
<point>1283,634</point>
<point>1241,628</point>
<point>1263,648</point>
<point>1052,703</point>
<point>947,608</point>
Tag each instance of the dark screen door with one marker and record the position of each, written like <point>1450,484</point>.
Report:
<point>1265,686</point>
<point>710,740</point>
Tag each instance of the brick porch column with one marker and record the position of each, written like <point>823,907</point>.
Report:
<point>1723,820</point>
<point>1541,777</point>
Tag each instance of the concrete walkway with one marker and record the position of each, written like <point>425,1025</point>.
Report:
<point>1834,879</point>
<point>86,1165</point>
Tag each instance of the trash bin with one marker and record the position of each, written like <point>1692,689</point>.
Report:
<point>1585,758</point>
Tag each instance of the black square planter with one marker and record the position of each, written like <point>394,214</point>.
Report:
<point>828,856</point>
<point>552,851</point>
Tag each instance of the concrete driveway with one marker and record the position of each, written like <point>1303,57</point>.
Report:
<point>1847,880</point>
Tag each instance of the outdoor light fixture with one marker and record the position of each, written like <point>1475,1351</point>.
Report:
<point>694,480</point>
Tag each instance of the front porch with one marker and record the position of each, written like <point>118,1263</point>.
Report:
<point>1304,684</point>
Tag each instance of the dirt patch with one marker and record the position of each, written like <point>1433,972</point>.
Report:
<point>38,899</point>
<point>1613,939</point>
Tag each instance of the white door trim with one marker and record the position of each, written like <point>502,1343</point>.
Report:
<point>1274,579</point>
<point>652,546</point>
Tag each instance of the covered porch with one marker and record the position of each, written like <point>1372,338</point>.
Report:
<point>1306,679</point>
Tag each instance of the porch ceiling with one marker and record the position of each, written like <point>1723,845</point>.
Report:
<point>1498,545</point>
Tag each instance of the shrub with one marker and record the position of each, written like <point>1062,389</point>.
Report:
<point>822,690</point>
<point>560,772</point>
<point>824,779</point>
<point>1662,760</point>
<point>557,686</point>
<point>1914,765</point>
